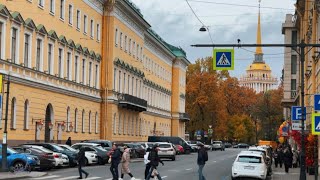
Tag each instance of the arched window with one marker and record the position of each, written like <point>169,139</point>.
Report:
<point>13,113</point>
<point>114,123</point>
<point>89,121</point>
<point>119,127</point>
<point>82,121</point>
<point>76,120</point>
<point>68,119</point>
<point>96,123</point>
<point>26,114</point>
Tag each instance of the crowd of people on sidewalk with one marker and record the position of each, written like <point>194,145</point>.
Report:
<point>284,155</point>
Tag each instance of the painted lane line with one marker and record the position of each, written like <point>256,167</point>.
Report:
<point>109,179</point>
<point>163,177</point>
<point>91,178</point>
<point>189,169</point>
<point>70,177</point>
<point>46,177</point>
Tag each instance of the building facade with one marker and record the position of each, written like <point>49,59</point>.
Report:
<point>258,74</point>
<point>88,69</point>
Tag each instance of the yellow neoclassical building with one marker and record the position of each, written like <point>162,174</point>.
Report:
<point>88,69</point>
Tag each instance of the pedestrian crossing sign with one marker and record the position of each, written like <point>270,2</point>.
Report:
<point>315,124</point>
<point>223,59</point>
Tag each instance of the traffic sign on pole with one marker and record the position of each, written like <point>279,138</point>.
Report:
<point>296,113</point>
<point>315,124</point>
<point>317,102</point>
<point>223,59</point>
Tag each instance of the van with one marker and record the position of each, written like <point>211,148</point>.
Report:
<point>172,139</point>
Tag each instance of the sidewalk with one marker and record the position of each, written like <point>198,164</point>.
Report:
<point>22,175</point>
<point>294,174</point>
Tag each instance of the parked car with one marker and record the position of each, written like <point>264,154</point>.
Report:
<point>217,145</point>
<point>56,148</point>
<point>242,145</point>
<point>58,161</point>
<point>91,157</point>
<point>47,161</point>
<point>194,146</point>
<point>105,144</point>
<point>166,150</point>
<point>146,145</point>
<point>179,149</point>
<point>249,164</point>
<point>137,149</point>
<point>267,158</point>
<point>173,140</point>
<point>18,161</point>
<point>65,160</point>
<point>227,145</point>
<point>102,154</point>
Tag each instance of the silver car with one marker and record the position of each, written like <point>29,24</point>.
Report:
<point>217,145</point>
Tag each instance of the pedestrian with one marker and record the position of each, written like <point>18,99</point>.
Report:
<point>147,163</point>
<point>68,141</point>
<point>280,154</point>
<point>154,159</point>
<point>276,157</point>
<point>202,158</point>
<point>125,163</point>
<point>81,162</point>
<point>115,156</point>
<point>287,158</point>
<point>294,159</point>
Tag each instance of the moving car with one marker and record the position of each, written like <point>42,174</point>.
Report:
<point>166,150</point>
<point>17,161</point>
<point>172,139</point>
<point>249,164</point>
<point>217,145</point>
<point>91,157</point>
<point>46,158</point>
<point>102,154</point>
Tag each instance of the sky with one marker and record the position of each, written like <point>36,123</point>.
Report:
<point>227,21</point>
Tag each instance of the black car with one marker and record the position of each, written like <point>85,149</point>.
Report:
<point>105,144</point>
<point>242,145</point>
<point>47,161</point>
<point>137,150</point>
<point>102,153</point>
<point>227,145</point>
<point>56,148</point>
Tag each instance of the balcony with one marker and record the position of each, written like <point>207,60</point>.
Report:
<point>132,102</point>
<point>184,117</point>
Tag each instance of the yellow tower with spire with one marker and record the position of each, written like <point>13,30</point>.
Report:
<point>258,74</point>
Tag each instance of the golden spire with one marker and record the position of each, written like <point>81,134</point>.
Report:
<point>259,49</point>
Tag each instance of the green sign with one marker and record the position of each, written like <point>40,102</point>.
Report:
<point>223,59</point>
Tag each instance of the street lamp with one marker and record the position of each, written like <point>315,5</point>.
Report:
<point>203,29</point>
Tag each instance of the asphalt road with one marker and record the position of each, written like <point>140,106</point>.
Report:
<point>185,167</point>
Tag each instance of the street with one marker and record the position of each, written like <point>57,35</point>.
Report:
<point>185,167</point>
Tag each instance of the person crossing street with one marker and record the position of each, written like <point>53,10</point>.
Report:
<point>125,164</point>
<point>115,156</point>
<point>202,158</point>
<point>81,162</point>
<point>154,162</point>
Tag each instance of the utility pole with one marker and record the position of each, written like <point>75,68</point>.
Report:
<point>5,133</point>
<point>302,45</point>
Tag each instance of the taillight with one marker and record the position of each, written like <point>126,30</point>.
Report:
<point>45,156</point>
<point>170,150</point>
<point>56,156</point>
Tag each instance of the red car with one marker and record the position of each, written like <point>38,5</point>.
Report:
<point>179,149</point>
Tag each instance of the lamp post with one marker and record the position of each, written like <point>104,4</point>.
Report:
<point>5,132</point>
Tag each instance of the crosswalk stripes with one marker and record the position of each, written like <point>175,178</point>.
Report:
<point>92,178</point>
<point>60,177</point>
<point>67,178</point>
<point>46,177</point>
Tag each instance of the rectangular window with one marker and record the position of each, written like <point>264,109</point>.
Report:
<point>90,72</point>
<point>14,45</point>
<point>83,70</point>
<point>78,19</point>
<point>52,5</point>
<point>137,88</point>
<point>133,48</point>
<point>85,21</point>
<point>132,85</point>
<point>49,58</point>
<point>62,9</point>
<point>70,14</point>
<point>129,46</point>
<point>114,79</point>
<point>41,3</point>
<point>116,37</point>
<point>294,38</point>
<point>98,32</point>
<point>293,84</point>
<point>128,84</point>
<point>124,83</point>
<point>38,59</point>
<point>91,29</point>
<point>96,76</point>
<point>1,26</point>
<point>119,84</point>
<point>76,68</point>
<point>125,43</point>
<point>293,64</point>
<point>137,52</point>
<point>60,63</point>
<point>121,40</point>
<point>68,64</point>
<point>26,49</point>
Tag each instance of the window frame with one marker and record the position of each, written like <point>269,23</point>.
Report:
<point>52,7</point>
<point>17,39</point>
<point>62,9</point>
<point>70,14</point>
<point>60,62</point>
<point>40,68</point>
<point>83,120</point>
<point>41,4</point>
<point>3,38</point>
<point>26,115</point>
<point>51,60</point>
<point>85,24</point>
<point>28,64</point>
<point>76,120</point>
<point>98,32</point>
<point>91,28</point>
<point>69,65</point>
<point>78,16</point>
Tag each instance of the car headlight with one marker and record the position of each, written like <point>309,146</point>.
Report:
<point>29,158</point>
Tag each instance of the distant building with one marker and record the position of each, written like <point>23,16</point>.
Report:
<point>258,75</point>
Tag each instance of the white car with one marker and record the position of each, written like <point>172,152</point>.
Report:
<point>249,164</point>
<point>166,150</point>
<point>56,156</point>
<point>91,157</point>
<point>65,160</point>
<point>266,157</point>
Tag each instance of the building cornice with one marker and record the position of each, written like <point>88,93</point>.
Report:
<point>97,5</point>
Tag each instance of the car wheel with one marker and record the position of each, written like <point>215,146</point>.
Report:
<point>18,166</point>
<point>100,161</point>
<point>173,158</point>
<point>86,162</point>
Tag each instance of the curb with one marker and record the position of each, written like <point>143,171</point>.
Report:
<point>26,176</point>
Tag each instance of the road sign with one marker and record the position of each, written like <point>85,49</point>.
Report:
<point>296,113</point>
<point>223,59</point>
<point>317,102</point>
<point>315,124</point>
<point>296,125</point>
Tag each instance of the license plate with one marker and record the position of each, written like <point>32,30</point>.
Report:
<point>249,167</point>
<point>164,151</point>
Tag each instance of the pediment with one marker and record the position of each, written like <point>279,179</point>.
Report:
<point>53,35</point>
<point>16,17</point>
<point>41,29</point>
<point>79,48</point>
<point>30,24</point>
<point>4,11</point>
<point>71,44</point>
<point>86,51</point>
<point>63,40</point>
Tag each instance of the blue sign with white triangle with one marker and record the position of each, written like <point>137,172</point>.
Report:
<point>317,102</point>
<point>315,124</point>
<point>223,59</point>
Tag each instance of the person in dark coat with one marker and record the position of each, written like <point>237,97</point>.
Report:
<point>81,162</point>
<point>287,158</point>
<point>115,156</point>
<point>276,157</point>
<point>154,161</point>
<point>201,161</point>
<point>68,141</point>
<point>281,156</point>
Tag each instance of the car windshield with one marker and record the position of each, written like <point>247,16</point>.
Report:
<point>249,159</point>
<point>164,145</point>
<point>216,143</point>
<point>11,151</point>
<point>257,150</point>
<point>100,148</point>
<point>67,148</point>
<point>57,147</point>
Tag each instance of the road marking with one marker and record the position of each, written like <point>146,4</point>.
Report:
<point>163,177</point>
<point>109,179</point>
<point>172,170</point>
<point>46,177</point>
<point>92,178</point>
<point>214,161</point>
<point>70,177</point>
<point>188,169</point>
